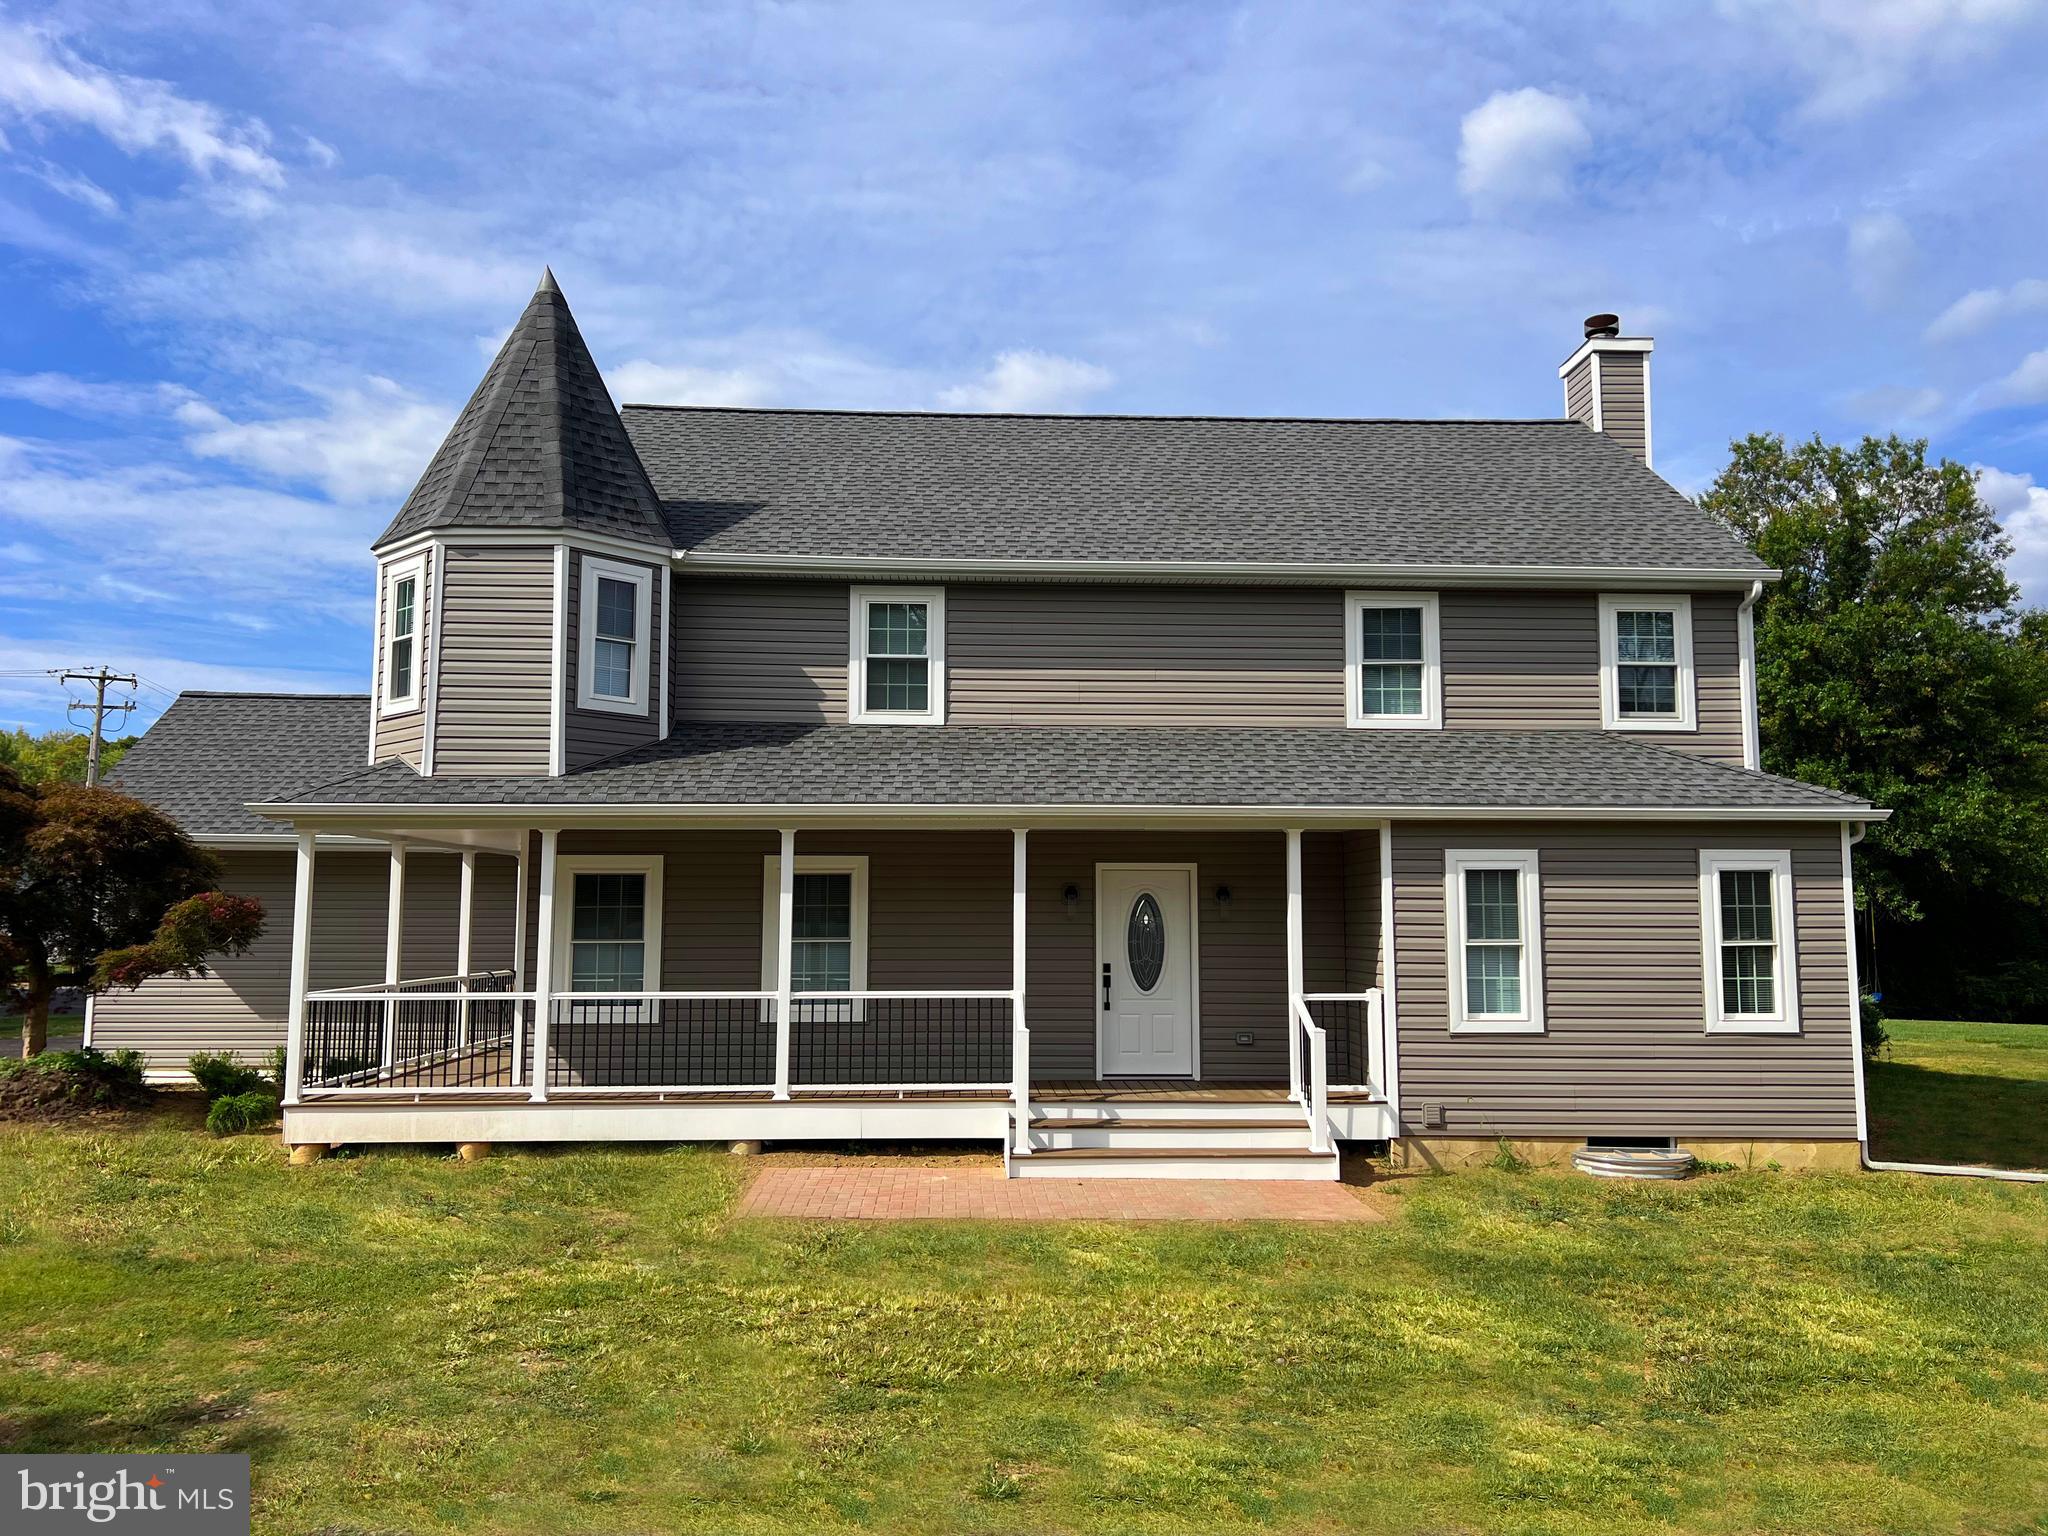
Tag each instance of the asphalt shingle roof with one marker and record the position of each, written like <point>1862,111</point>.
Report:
<point>538,446</point>
<point>911,486</point>
<point>771,765</point>
<point>212,753</point>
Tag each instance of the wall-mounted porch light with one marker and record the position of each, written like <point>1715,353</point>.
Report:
<point>1070,898</point>
<point>1223,899</point>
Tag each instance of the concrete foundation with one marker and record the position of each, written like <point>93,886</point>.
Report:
<point>1448,1154</point>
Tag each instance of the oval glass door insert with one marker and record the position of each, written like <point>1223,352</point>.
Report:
<point>1145,941</point>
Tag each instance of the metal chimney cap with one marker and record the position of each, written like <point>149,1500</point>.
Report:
<point>1602,325</point>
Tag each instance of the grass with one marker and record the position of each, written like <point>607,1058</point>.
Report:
<point>1961,1093</point>
<point>587,1341</point>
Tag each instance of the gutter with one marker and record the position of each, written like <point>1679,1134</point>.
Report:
<point>1745,628</point>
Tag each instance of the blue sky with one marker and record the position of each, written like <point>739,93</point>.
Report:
<point>252,269</point>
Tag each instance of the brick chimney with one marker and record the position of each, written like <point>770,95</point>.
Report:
<point>1607,384</point>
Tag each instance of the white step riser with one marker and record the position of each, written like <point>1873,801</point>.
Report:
<point>1291,1138</point>
<point>1280,1113</point>
<point>1250,1166</point>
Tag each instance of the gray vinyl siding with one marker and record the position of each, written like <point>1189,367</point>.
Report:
<point>939,917</point>
<point>1624,400</point>
<point>403,735</point>
<point>1578,392</point>
<point>1090,655</point>
<point>494,689</point>
<point>591,734</point>
<point>761,650</point>
<point>1625,1051</point>
<point>241,1003</point>
<point>1103,655</point>
<point>1361,862</point>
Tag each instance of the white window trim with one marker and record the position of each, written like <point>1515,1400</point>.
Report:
<point>1680,606</point>
<point>567,868</point>
<point>1432,716</point>
<point>854,864</point>
<point>642,580</point>
<point>1529,891</point>
<point>414,569</point>
<point>857,711</point>
<point>1784,1020</point>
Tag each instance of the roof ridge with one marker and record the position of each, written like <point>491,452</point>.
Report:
<point>260,693</point>
<point>1190,416</point>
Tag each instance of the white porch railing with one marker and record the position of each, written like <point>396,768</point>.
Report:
<point>1357,1031</point>
<point>435,1034</point>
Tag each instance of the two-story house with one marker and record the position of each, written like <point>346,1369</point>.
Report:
<point>1158,795</point>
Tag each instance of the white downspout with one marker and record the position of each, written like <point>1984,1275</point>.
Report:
<point>1745,624</point>
<point>1880,1165</point>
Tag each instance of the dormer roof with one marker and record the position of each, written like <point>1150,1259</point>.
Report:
<point>538,446</point>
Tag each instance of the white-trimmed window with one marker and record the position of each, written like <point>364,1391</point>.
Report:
<point>829,932</point>
<point>1752,967</point>
<point>1646,681</point>
<point>1393,660</point>
<point>1494,922</point>
<point>896,673</point>
<point>614,615</point>
<point>402,656</point>
<point>608,924</point>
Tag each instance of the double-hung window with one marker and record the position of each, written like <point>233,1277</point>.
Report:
<point>404,591</point>
<point>1393,661</point>
<point>1494,912</point>
<point>896,673</point>
<point>1646,680</point>
<point>1746,925</point>
<point>608,922</point>
<point>613,606</point>
<point>828,931</point>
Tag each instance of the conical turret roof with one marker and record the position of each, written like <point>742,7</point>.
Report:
<point>538,446</point>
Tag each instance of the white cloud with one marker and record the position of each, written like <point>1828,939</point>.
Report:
<point>681,384</point>
<point>1893,405</point>
<point>80,189</point>
<point>767,367</point>
<point>42,80</point>
<point>370,442</point>
<point>1983,307</point>
<point>1028,381</point>
<point>1882,257</point>
<point>1520,146</point>
<point>2022,507</point>
<point>1860,52</point>
<point>2025,385</point>
<point>89,397</point>
<point>167,672</point>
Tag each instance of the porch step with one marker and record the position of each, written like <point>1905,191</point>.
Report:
<point>1275,1111</point>
<point>1211,1162</point>
<point>1222,1136</point>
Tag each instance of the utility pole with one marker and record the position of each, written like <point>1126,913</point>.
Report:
<point>100,710</point>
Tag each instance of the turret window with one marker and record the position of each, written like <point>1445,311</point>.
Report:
<point>611,661</point>
<point>404,586</point>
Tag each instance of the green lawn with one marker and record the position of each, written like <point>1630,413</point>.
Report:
<point>1961,1093</point>
<point>587,1341</point>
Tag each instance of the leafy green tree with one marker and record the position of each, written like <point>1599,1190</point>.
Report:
<point>1893,661</point>
<point>58,757</point>
<point>98,890</point>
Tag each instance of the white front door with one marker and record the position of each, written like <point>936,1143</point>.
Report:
<point>1145,970</point>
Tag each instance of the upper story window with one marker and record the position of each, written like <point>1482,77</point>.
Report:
<point>612,660</point>
<point>897,664</point>
<point>399,661</point>
<point>1646,663</point>
<point>1494,915</point>
<point>1393,660</point>
<point>1746,921</point>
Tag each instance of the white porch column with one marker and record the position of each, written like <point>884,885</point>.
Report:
<point>302,970</point>
<point>544,966</point>
<point>465,905</point>
<point>1294,965</point>
<point>394,943</point>
<point>785,956</point>
<point>1020,1034</point>
<point>519,918</point>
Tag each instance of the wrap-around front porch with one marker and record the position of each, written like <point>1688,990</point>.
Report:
<point>1058,989</point>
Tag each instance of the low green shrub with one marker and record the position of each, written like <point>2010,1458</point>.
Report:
<point>221,1074</point>
<point>233,1113</point>
<point>1875,1037</point>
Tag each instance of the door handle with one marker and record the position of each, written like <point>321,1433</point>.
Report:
<point>1105,986</point>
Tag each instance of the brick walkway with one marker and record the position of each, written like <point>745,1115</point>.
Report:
<point>982,1194</point>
